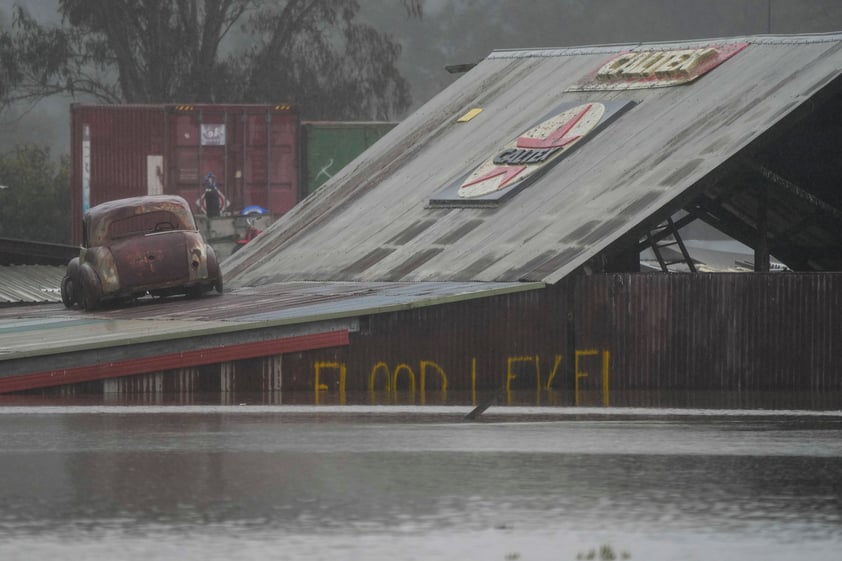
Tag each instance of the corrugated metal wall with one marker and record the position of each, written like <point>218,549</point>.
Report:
<point>108,154</point>
<point>327,147</point>
<point>628,332</point>
<point>641,339</point>
<point>775,331</point>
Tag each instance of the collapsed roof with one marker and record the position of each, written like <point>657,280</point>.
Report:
<point>537,161</point>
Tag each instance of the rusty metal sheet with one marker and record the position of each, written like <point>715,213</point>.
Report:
<point>603,339</point>
<point>137,245</point>
<point>136,215</point>
<point>715,331</point>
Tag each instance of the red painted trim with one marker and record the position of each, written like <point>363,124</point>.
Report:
<point>558,137</point>
<point>172,361</point>
<point>508,173</point>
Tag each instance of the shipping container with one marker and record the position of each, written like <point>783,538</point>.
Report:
<point>122,151</point>
<point>327,147</point>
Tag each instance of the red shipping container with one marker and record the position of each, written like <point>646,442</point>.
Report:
<point>122,151</point>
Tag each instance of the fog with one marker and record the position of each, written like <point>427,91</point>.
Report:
<point>464,31</point>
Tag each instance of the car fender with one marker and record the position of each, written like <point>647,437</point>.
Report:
<point>73,268</point>
<point>102,263</point>
<point>90,288</point>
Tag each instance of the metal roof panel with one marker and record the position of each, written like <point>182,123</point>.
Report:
<point>366,223</point>
<point>279,305</point>
<point>29,284</point>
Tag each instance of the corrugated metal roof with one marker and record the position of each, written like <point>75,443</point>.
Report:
<point>373,222</point>
<point>271,306</point>
<point>27,284</point>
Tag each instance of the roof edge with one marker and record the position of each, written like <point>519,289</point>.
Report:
<point>793,39</point>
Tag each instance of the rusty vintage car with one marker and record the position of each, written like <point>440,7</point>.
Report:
<point>138,246</point>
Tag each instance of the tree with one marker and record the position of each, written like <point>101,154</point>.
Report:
<point>309,52</point>
<point>34,197</point>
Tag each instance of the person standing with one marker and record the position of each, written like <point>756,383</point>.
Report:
<point>212,196</point>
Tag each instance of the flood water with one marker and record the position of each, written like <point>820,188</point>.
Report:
<point>417,483</point>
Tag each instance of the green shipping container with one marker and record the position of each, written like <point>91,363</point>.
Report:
<point>327,147</point>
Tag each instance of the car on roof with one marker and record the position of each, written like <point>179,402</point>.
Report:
<point>137,246</point>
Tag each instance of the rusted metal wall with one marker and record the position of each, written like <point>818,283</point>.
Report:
<point>482,345</point>
<point>131,150</point>
<point>108,154</point>
<point>627,332</point>
<point>774,331</point>
<point>682,339</point>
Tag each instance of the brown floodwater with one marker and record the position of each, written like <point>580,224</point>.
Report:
<point>163,482</point>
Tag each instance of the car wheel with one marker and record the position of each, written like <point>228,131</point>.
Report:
<point>218,283</point>
<point>90,291</point>
<point>68,292</point>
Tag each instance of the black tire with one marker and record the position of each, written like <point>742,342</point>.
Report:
<point>68,292</point>
<point>218,283</point>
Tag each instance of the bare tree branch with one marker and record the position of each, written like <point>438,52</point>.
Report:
<point>311,52</point>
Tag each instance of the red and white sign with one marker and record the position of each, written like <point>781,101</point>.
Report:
<point>514,166</point>
<point>657,68</point>
<point>532,151</point>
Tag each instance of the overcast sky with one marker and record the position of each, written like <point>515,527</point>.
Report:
<point>458,31</point>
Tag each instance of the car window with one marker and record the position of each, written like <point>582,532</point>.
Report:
<point>142,224</point>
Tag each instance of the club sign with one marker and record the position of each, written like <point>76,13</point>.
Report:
<point>660,68</point>
<point>541,146</point>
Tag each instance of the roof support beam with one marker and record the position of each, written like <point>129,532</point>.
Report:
<point>737,227</point>
<point>761,250</point>
<point>776,180</point>
<point>730,224</point>
<point>649,238</point>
